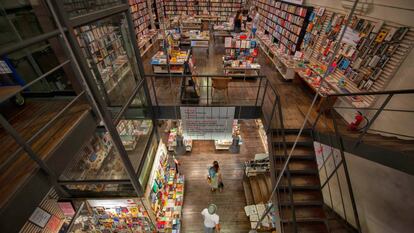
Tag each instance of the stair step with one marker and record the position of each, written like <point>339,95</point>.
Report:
<point>303,213</point>
<point>299,150</point>
<point>263,187</point>
<point>308,227</point>
<point>300,167</point>
<point>302,181</point>
<point>248,192</point>
<point>307,131</point>
<point>303,196</point>
<point>257,196</point>
<point>292,138</point>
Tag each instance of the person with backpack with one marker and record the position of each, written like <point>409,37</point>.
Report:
<point>214,177</point>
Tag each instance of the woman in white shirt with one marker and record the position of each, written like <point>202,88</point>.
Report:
<point>211,219</point>
<point>255,22</point>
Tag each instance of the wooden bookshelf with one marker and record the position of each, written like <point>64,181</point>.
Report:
<point>285,22</point>
<point>102,45</point>
<point>360,67</point>
<point>225,8</point>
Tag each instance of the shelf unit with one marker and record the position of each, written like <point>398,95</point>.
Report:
<point>368,65</point>
<point>285,22</point>
<point>80,7</point>
<point>103,46</point>
<point>146,34</point>
<point>224,8</point>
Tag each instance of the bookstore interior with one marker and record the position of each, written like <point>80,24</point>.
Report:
<point>322,49</point>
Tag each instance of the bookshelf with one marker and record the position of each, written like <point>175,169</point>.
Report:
<point>102,45</point>
<point>224,8</point>
<point>366,65</point>
<point>81,7</point>
<point>285,22</point>
<point>146,34</point>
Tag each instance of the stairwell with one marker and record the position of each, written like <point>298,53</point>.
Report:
<point>307,200</point>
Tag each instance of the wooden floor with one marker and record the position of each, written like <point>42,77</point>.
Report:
<point>27,120</point>
<point>231,201</point>
<point>294,97</point>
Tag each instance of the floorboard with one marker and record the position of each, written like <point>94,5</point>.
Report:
<point>231,201</point>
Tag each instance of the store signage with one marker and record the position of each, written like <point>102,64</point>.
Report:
<point>299,2</point>
<point>67,208</point>
<point>207,123</point>
<point>40,217</point>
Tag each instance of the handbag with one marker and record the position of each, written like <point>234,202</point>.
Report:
<point>221,185</point>
<point>208,179</point>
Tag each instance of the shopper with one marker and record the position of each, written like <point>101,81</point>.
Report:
<point>214,177</point>
<point>211,219</point>
<point>238,22</point>
<point>255,23</point>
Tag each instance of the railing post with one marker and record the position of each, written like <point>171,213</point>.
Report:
<point>348,180</point>
<point>258,91</point>
<point>387,100</point>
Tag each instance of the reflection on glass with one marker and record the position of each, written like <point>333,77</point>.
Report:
<point>106,46</point>
<point>149,160</point>
<point>81,7</point>
<point>135,135</point>
<point>124,215</point>
<point>98,160</point>
<point>23,20</point>
<point>139,100</point>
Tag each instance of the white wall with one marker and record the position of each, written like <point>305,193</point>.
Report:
<point>400,12</point>
<point>384,196</point>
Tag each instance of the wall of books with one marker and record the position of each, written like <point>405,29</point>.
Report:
<point>142,17</point>
<point>285,22</point>
<point>368,58</point>
<point>223,8</point>
<point>369,54</point>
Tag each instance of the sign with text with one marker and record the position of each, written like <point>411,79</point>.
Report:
<point>207,123</point>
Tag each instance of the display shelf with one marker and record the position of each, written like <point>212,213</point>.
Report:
<point>285,22</point>
<point>119,215</point>
<point>130,131</point>
<point>367,63</point>
<point>166,195</point>
<point>176,65</point>
<point>172,143</point>
<point>103,46</point>
<point>284,63</point>
<point>218,8</point>
<point>145,34</point>
<point>225,144</point>
<point>240,55</point>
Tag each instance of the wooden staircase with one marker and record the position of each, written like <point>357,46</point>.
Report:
<point>257,189</point>
<point>306,200</point>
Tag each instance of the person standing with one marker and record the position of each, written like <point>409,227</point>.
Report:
<point>238,22</point>
<point>255,23</point>
<point>214,176</point>
<point>211,219</point>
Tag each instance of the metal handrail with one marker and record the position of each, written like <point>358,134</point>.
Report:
<point>387,92</point>
<point>8,96</point>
